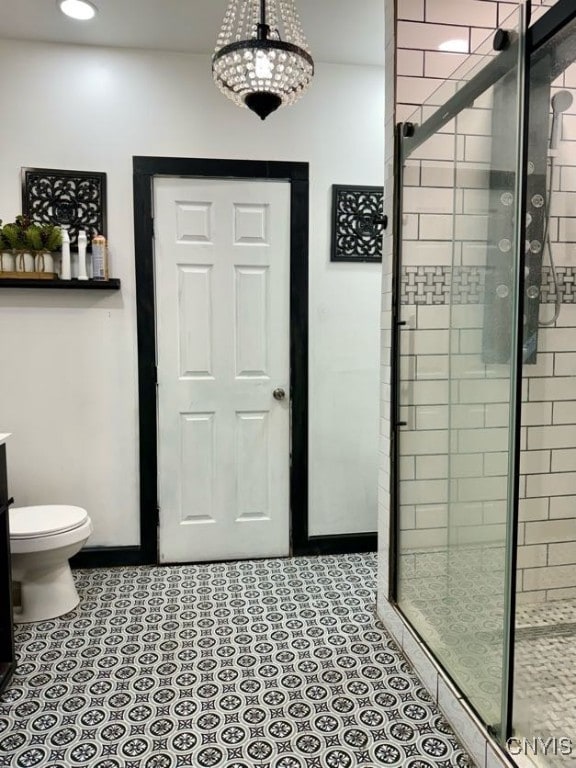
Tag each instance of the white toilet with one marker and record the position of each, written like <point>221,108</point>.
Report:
<point>42,540</point>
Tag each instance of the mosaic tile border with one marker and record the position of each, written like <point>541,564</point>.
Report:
<point>439,285</point>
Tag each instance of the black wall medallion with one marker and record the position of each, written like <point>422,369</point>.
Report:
<point>75,198</point>
<point>358,223</point>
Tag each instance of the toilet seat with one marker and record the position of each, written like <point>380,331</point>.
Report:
<point>45,520</point>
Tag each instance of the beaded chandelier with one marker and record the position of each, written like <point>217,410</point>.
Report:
<point>262,60</point>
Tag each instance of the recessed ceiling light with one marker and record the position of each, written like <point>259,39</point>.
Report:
<point>78,9</point>
<point>454,46</point>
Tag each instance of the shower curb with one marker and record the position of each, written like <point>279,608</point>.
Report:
<point>480,745</point>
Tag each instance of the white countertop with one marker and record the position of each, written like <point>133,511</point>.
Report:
<point>4,436</point>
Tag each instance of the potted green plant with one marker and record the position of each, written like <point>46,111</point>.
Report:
<point>28,248</point>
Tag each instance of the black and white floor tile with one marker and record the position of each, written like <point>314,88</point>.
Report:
<point>273,663</point>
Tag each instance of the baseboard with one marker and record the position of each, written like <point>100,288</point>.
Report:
<point>108,557</point>
<point>342,544</point>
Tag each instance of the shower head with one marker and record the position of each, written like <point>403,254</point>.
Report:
<point>561,101</point>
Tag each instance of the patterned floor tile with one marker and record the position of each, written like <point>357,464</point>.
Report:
<point>273,663</point>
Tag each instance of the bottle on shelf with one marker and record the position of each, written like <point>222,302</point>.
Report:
<point>99,258</point>
<point>82,245</point>
<point>65,273</point>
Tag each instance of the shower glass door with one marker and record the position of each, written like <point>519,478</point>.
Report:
<point>457,340</point>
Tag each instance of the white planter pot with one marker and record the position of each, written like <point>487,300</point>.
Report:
<point>45,262</point>
<point>7,262</point>
<point>24,262</point>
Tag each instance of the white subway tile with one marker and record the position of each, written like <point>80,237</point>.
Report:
<point>471,13</point>
<point>422,252</point>
<point>432,417</point>
<point>562,507</point>
<point>505,11</point>
<point>423,37</point>
<point>566,230</point>
<point>564,461</point>
<point>441,146</point>
<point>565,363</point>
<point>436,227</point>
<point>410,62</point>
<point>428,200</point>
<point>424,539</point>
<point>533,556</point>
<point>482,440</point>
<point>567,315</point>
<point>429,392</point>
<point>466,465</point>
<point>433,317</point>
<point>554,388</point>
<point>536,413</point>
<point>562,554</point>
<point>555,483</point>
<point>412,172</point>
<point>431,516</point>
<point>568,173</point>
<point>550,577</point>
<point>544,366</point>
<point>474,254</point>
<point>431,342</point>
<point>497,415</point>
<point>476,202</point>
<point>533,509</point>
<point>418,443</point>
<point>550,437</point>
<point>467,416</point>
<point>406,517</point>
<point>496,463</point>
<point>483,488</point>
<point>482,534</point>
<point>478,149</point>
<point>437,173</point>
<point>470,175</point>
<point>466,513</point>
<point>470,341</point>
<point>533,462</point>
<point>416,90</point>
<point>442,63</point>
<point>481,39</point>
<point>412,10</point>
<point>433,467</point>
<point>564,412</point>
<point>550,531</point>
<point>467,316</point>
<point>563,204</point>
<point>485,391</point>
<point>432,366</point>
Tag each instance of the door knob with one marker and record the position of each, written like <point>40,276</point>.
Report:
<point>279,393</point>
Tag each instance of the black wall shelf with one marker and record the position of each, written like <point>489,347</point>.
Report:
<point>86,285</point>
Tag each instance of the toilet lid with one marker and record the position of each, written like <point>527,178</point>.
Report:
<point>32,522</point>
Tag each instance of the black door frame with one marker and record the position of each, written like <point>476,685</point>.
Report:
<point>145,169</point>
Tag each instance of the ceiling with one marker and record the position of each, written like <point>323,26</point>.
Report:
<point>338,31</point>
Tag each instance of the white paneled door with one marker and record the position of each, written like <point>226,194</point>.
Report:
<point>222,275</point>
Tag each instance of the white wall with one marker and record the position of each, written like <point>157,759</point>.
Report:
<point>69,389</point>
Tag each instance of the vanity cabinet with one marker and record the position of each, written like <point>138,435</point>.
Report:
<point>7,655</point>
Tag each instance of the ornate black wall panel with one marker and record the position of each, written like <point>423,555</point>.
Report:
<point>357,223</point>
<point>75,198</point>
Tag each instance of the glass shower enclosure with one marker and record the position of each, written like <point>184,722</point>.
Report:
<point>484,369</point>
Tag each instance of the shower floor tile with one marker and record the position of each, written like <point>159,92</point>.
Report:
<point>545,695</point>
<point>272,663</point>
